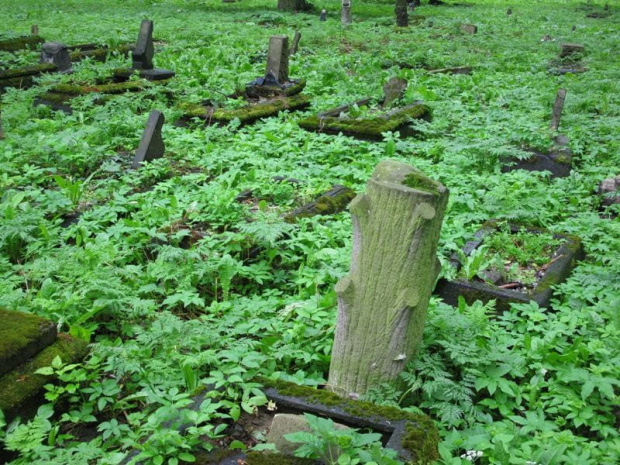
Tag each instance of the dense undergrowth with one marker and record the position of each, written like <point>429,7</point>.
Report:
<point>155,272</point>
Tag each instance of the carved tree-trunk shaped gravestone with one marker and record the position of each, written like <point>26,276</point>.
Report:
<point>277,59</point>
<point>151,145</point>
<point>382,303</point>
<point>557,109</point>
<point>346,16</point>
<point>402,17</point>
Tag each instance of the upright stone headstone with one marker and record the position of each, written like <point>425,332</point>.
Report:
<point>346,16</point>
<point>152,145</point>
<point>142,56</point>
<point>323,16</point>
<point>508,12</point>
<point>56,53</point>
<point>558,106</point>
<point>394,90</point>
<point>34,30</point>
<point>277,59</point>
<point>296,39</point>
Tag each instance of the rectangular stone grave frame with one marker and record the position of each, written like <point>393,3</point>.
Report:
<point>558,270</point>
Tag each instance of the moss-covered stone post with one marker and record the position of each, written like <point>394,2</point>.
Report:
<point>382,302</point>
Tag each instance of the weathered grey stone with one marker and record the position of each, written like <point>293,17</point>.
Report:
<point>558,106</point>
<point>34,30</point>
<point>571,49</point>
<point>152,145</point>
<point>346,17</point>
<point>610,190</point>
<point>508,12</point>
<point>277,59</point>
<point>285,423</point>
<point>57,54</point>
<point>323,16</point>
<point>296,39</point>
<point>394,90</point>
<point>142,56</point>
<point>469,28</point>
<point>402,17</point>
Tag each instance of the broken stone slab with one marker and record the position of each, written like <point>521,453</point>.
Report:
<point>286,423</point>
<point>18,43</point>
<point>571,49</point>
<point>393,91</point>
<point>295,45</point>
<point>469,28</point>
<point>21,388</point>
<point>560,265</point>
<point>152,145</point>
<point>332,202</point>
<point>558,162</point>
<point>22,336</point>
<point>23,78</point>
<point>454,70</point>
<point>142,56</point>
<point>56,53</point>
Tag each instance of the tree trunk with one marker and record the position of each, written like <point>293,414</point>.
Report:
<point>382,303</point>
<point>293,5</point>
<point>402,17</point>
<point>346,17</point>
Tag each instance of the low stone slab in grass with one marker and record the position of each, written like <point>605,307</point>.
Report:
<point>369,127</point>
<point>247,114</point>
<point>558,161</point>
<point>59,96</point>
<point>14,44</point>
<point>332,202</point>
<point>22,336</point>
<point>20,388</point>
<point>558,266</point>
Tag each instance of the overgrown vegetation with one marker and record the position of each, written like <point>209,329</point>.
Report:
<point>182,290</point>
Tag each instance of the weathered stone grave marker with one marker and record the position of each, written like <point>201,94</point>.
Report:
<point>571,49</point>
<point>277,59</point>
<point>294,5</point>
<point>402,17</point>
<point>382,302</point>
<point>56,53</point>
<point>323,16</point>
<point>151,145</point>
<point>346,17</point>
<point>558,106</point>
<point>295,45</point>
<point>610,190</point>
<point>469,28</point>
<point>393,91</point>
<point>34,30</point>
<point>142,57</point>
<point>1,130</point>
<point>508,12</point>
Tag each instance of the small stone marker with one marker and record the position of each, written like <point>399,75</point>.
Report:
<point>411,6</point>
<point>508,12</point>
<point>56,54</point>
<point>557,109</point>
<point>606,8</point>
<point>394,90</point>
<point>323,16</point>
<point>152,145</point>
<point>142,56</point>
<point>34,30</point>
<point>277,59</point>
<point>296,39</point>
<point>573,29</point>
<point>469,28</point>
<point>286,423</point>
<point>610,189</point>
<point>1,130</point>
<point>346,17</point>
<point>571,49</point>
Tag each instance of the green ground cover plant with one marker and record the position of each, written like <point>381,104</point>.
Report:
<point>156,275</point>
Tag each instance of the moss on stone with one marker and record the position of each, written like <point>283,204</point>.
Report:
<point>247,113</point>
<point>326,204</point>
<point>20,387</point>
<point>54,97</point>
<point>420,182</point>
<point>19,43</point>
<point>422,436</point>
<point>114,88</point>
<point>34,70</point>
<point>371,128</point>
<point>100,54</point>
<point>18,331</point>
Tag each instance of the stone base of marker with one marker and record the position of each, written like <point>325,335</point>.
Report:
<point>335,121</point>
<point>558,160</point>
<point>59,97</point>
<point>19,43</point>
<point>559,267</point>
<point>27,343</point>
<point>142,57</point>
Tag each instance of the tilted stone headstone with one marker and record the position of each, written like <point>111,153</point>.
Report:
<point>346,16</point>
<point>152,145</point>
<point>142,56</point>
<point>558,106</point>
<point>277,59</point>
<point>57,54</point>
<point>296,39</point>
<point>394,90</point>
<point>323,16</point>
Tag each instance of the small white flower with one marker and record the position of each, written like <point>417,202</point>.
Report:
<point>543,371</point>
